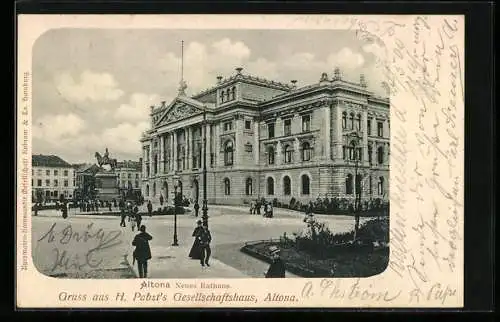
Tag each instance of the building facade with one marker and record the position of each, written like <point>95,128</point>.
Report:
<point>129,175</point>
<point>51,178</point>
<point>271,140</point>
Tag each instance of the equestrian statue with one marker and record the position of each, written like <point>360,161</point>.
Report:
<point>105,159</point>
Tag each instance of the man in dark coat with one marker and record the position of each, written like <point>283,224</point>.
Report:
<point>138,217</point>
<point>205,238</point>
<point>196,208</point>
<point>277,267</point>
<point>142,252</point>
<point>194,253</point>
<point>161,200</point>
<point>150,208</point>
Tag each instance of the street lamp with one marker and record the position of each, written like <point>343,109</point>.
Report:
<point>176,203</point>
<point>357,197</point>
<point>204,208</point>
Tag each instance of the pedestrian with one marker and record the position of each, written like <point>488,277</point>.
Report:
<point>142,252</point>
<point>277,267</point>
<point>150,208</point>
<point>196,209</point>
<point>109,206</point>
<point>138,216</point>
<point>258,205</point>
<point>205,239</point>
<point>133,221</point>
<point>252,207</point>
<point>195,253</point>
<point>64,210</point>
<point>36,209</point>
<point>161,200</point>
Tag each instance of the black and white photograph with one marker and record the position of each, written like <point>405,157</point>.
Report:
<point>204,153</point>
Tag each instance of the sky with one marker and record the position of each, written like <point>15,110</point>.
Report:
<point>92,88</point>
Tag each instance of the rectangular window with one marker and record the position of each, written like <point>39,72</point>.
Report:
<point>56,173</point>
<point>47,172</point>
<point>287,127</point>
<point>47,183</point>
<point>380,129</point>
<point>248,125</point>
<point>65,183</point>
<point>270,130</point>
<point>369,127</point>
<point>248,148</point>
<point>39,172</point>
<point>39,183</point>
<point>306,123</point>
<point>65,173</point>
<point>56,183</point>
<point>228,126</point>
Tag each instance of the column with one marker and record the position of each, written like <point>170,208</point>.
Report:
<point>144,160</point>
<point>327,133</point>
<point>256,144</point>
<point>189,162</point>
<point>278,127</point>
<point>374,126</point>
<point>386,153</point>
<point>278,152</point>
<point>386,129</point>
<point>174,151</point>
<point>209,146</point>
<point>238,147</point>
<point>364,122</point>
<point>205,135</point>
<point>217,143</point>
<point>338,133</point>
<point>151,158</point>
<point>296,151</point>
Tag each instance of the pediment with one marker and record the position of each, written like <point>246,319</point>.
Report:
<point>180,108</point>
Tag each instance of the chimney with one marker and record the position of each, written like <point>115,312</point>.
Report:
<point>336,74</point>
<point>238,70</point>
<point>219,79</point>
<point>163,103</point>
<point>362,80</point>
<point>294,83</point>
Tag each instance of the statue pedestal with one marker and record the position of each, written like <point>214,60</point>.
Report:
<point>107,186</point>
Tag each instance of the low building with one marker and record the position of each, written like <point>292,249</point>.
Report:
<point>52,177</point>
<point>270,139</point>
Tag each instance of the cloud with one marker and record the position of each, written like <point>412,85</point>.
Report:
<point>90,86</point>
<point>263,68</point>
<point>346,59</point>
<point>237,50</point>
<point>124,138</point>
<point>55,127</point>
<point>137,109</point>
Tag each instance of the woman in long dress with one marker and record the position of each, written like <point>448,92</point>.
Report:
<point>194,253</point>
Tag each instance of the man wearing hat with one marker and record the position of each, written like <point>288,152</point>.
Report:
<point>277,268</point>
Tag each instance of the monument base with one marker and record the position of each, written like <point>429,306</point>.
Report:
<point>107,186</point>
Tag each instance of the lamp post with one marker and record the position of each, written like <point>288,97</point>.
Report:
<point>204,208</point>
<point>357,196</point>
<point>176,203</point>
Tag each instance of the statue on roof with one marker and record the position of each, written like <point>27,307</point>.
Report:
<point>182,87</point>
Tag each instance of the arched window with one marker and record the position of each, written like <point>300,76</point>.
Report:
<point>154,189</point>
<point>351,121</point>
<point>270,155</point>
<point>228,93</point>
<point>306,151</point>
<point>352,151</point>
<point>370,189</point>
<point>358,120</point>
<point>370,152</point>
<point>227,187</point>
<point>305,184</point>
<point>288,154</point>
<point>147,190</point>
<point>270,186</point>
<point>344,120</point>
<point>381,185</point>
<point>228,153</point>
<point>358,184</point>
<point>287,186</point>
<point>348,184</point>
<point>248,187</point>
<point>233,93</point>
<point>380,155</point>
<point>222,96</point>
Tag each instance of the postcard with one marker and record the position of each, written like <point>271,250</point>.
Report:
<point>240,161</point>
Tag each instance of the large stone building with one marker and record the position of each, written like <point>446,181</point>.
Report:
<point>51,178</point>
<point>269,139</point>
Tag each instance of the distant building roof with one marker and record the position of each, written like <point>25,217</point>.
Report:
<point>39,160</point>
